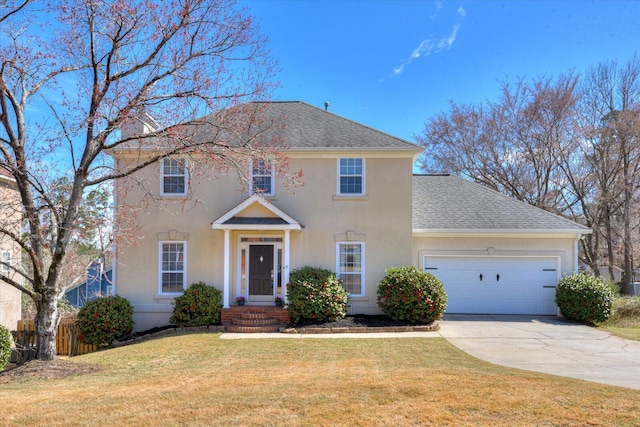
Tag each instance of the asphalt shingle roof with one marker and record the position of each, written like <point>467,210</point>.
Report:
<point>447,202</point>
<point>310,127</point>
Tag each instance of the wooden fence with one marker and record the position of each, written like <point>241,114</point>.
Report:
<point>66,337</point>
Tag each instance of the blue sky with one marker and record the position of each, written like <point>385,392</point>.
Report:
<point>393,64</point>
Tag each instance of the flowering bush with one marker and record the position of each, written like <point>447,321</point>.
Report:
<point>584,298</point>
<point>410,295</point>
<point>315,294</point>
<point>104,320</point>
<point>199,306</point>
<point>5,346</point>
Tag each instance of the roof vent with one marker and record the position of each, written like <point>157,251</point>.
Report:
<point>326,105</point>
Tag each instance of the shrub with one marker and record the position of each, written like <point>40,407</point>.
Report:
<point>584,298</point>
<point>104,320</point>
<point>410,295</point>
<point>5,346</point>
<point>316,294</point>
<point>199,306</point>
<point>625,312</point>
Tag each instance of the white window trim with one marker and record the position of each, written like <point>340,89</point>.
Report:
<point>271,176</point>
<point>160,270</point>
<point>362,265</point>
<point>186,176</point>
<point>5,269</point>
<point>338,175</point>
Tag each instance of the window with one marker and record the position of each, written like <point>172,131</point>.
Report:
<point>350,267</point>
<point>262,177</point>
<point>6,262</point>
<point>174,177</point>
<point>173,257</point>
<point>351,176</point>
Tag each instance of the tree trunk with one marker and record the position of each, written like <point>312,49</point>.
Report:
<point>609,237</point>
<point>628,250</point>
<point>47,320</point>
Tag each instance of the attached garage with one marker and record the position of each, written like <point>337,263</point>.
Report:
<point>497,285</point>
<point>494,254</point>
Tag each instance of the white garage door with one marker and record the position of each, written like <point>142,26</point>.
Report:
<point>497,285</point>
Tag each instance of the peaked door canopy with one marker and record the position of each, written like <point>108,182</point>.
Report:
<point>245,216</point>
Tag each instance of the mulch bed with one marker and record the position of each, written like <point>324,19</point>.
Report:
<point>360,323</point>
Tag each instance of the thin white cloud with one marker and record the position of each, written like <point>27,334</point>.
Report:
<point>432,46</point>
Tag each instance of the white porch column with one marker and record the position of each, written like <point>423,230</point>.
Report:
<point>285,261</point>
<point>227,269</point>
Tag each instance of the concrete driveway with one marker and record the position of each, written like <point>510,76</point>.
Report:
<point>546,344</point>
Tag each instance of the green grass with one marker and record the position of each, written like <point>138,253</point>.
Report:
<point>199,379</point>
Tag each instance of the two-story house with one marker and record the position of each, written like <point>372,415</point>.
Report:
<point>10,218</point>
<point>359,212</point>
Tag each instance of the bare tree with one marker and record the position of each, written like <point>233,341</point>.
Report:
<point>73,77</point>
<point>611,106</point>
<point>569,145</point>
<point>511,145</point>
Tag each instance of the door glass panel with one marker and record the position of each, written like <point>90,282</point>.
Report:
<point>279,270</point>
<point>243,272</point>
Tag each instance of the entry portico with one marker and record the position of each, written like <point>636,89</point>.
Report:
<point>263,260</point>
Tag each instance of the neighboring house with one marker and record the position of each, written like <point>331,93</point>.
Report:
<point>98,284</point>
<point>10,217</point>
<point>359,212</point>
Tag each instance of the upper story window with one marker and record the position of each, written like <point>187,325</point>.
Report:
<point>262,175</point>
<point>350,176</point>
<point>174,177</point>
<point>6,262</point>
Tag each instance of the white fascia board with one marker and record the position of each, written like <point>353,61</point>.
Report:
<point>219,224</point>
<point>261,227</point>
<point>500,233</point>
<point>350,152</point>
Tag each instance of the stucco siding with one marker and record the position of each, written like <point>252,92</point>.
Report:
<point>381,219</point>
<point>11,217</point>
<point>562,247</point>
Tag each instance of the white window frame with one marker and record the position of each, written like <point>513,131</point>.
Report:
<point>6,257</point>
<point>161,270</point>
<point>339,271</point>
<point>164,175</point>
<point>340,175</point>
<point>271,176</point>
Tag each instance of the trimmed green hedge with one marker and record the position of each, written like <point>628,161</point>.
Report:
<point>410,295</point>
<point>584,298</point>
<point>200,305</point>
<point>315,294</point>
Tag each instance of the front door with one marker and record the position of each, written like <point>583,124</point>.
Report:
<point>261,273</point>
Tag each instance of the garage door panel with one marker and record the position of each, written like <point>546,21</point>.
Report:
<point>509,285</point>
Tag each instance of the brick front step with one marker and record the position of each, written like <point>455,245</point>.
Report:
<point>255,321</point>
<point>236,312</point>
<point>252,329</point>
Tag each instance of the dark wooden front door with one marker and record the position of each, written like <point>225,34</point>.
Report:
<point>260,270</point>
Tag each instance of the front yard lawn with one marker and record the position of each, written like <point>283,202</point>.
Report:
<point>199,379</point>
